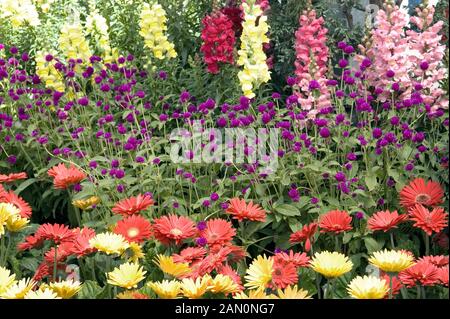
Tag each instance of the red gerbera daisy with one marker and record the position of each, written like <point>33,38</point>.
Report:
<point>236,254</point>
<point>438,261</point>
<point>429,221</point>
<point>284,274</point>
<point>189,255</point>
<point>173,228</point>
<point>81,246</point>
<point>297,259</point>
<point>304,235</point>
<point>11,198</point>
<point>443,275</point>
<point>241,210</point>
<point>226,270</point>
<point>55,232</point>
<point>42,271</point>
<point>420,192</point>
<point>64,177</point>
<point>396,283</point>
<point>2,191</point>
<point>64,250</point>
<point>218,232</point>
<point>213,261</point>
<point>138,295</point>
<point>12,177</point>
<point>385,220</point>
<point>31,241</point>
<point>134,228</point>
<point>133,205</point>
<point>335,221</point>
<point>422,273</point>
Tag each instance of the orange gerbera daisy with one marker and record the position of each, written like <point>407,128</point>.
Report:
<point>12,177</point>
<point>218,232</point>
<point>55,232</point>
<point>134,228</point>
<point>385,220</point>
<point>81,246</point>
<point>189,255</point>
<point>284,274</point>
<point>297,259</point>
<point>226,270</point>
<point>420,192</point>
<point>133,205</point>
<point>304,235</point>
<point>64,177</point>
<point>443,275</point>
<point>11,198</point>
<point>422,273</point>
<point>31,241</point>
<point>429,221</point>
<point>173,228</point>
<point>2,191</point>
<point>241,210</point>
<point>438,261</point>
<point>335,221</point>
<point>213,261</point>
<point>396,283</point>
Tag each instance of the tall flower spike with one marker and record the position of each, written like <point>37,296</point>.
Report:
<point>73,43</point>
<point>311,63</point>
<point>153,26</point>
<point>251,53</point>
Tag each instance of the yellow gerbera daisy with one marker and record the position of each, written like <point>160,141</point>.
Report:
<point>292,292</point>
<point>109,243</point>
<point>85,204</point>
<point>168,266</point>
<point>166,289</point>
<point>127,275</point>
<point>391,261</point>
<point>133,253</point>
<point>66,289</point>
<point>42,294</point>
<point>252,294</point>
<point>368,287</point>
<point>19,289</point>
<point>331,264</point>
<point>223,284</point>
<point>259,274</point>
<point>194,289</point>
<point>6,279</point>
<point>16,223</point>
<point>6,211</point>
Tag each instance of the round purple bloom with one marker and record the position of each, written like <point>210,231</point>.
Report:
<point>340,176</point>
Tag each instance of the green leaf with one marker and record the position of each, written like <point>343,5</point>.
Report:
<point>347,237</point>
<point>371,181</point>
<point>287,210</point>
<point>24,185</point>
<point>372,245</point>
<point>90,290</point>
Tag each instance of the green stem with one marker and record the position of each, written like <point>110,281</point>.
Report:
<point>392,240</point>
<point>336,246</point>
<point>55,261</point>
<point>427,245</point>
<point>418,292</point>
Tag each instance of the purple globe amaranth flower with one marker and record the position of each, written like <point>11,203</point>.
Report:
<point>140,159</point>
<point>340,176</point>
<point>201,225</point>
<point>424,65</point>
<point>201,241</point>
<point>390,73</point>
<point>409,167</point>
<point>342,63</point>
<point>380,202</point>
<point>396,86</point>
<point>120,188</point>
<point>359,215</point>
<point>377,132</point>
<point>314,200</point>
<point>351,157</point>
<point>324,132</point>
<point>84,101</point>
<point>313,85</point>
<point>395,120</point>
<point>291,81</point>
<point>348,49</point>
<point>214,196</point>
<point>294,194</point>
<point>224,205</point>
<point>120,174</point>
<point>206,203</point>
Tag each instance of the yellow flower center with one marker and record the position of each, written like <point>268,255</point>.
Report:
<point>133,232</point>
<point>176,232</point>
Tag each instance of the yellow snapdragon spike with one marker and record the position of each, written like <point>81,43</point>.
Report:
<point>153,24</point>
<point>251,54</point>
<point>19,12</point>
